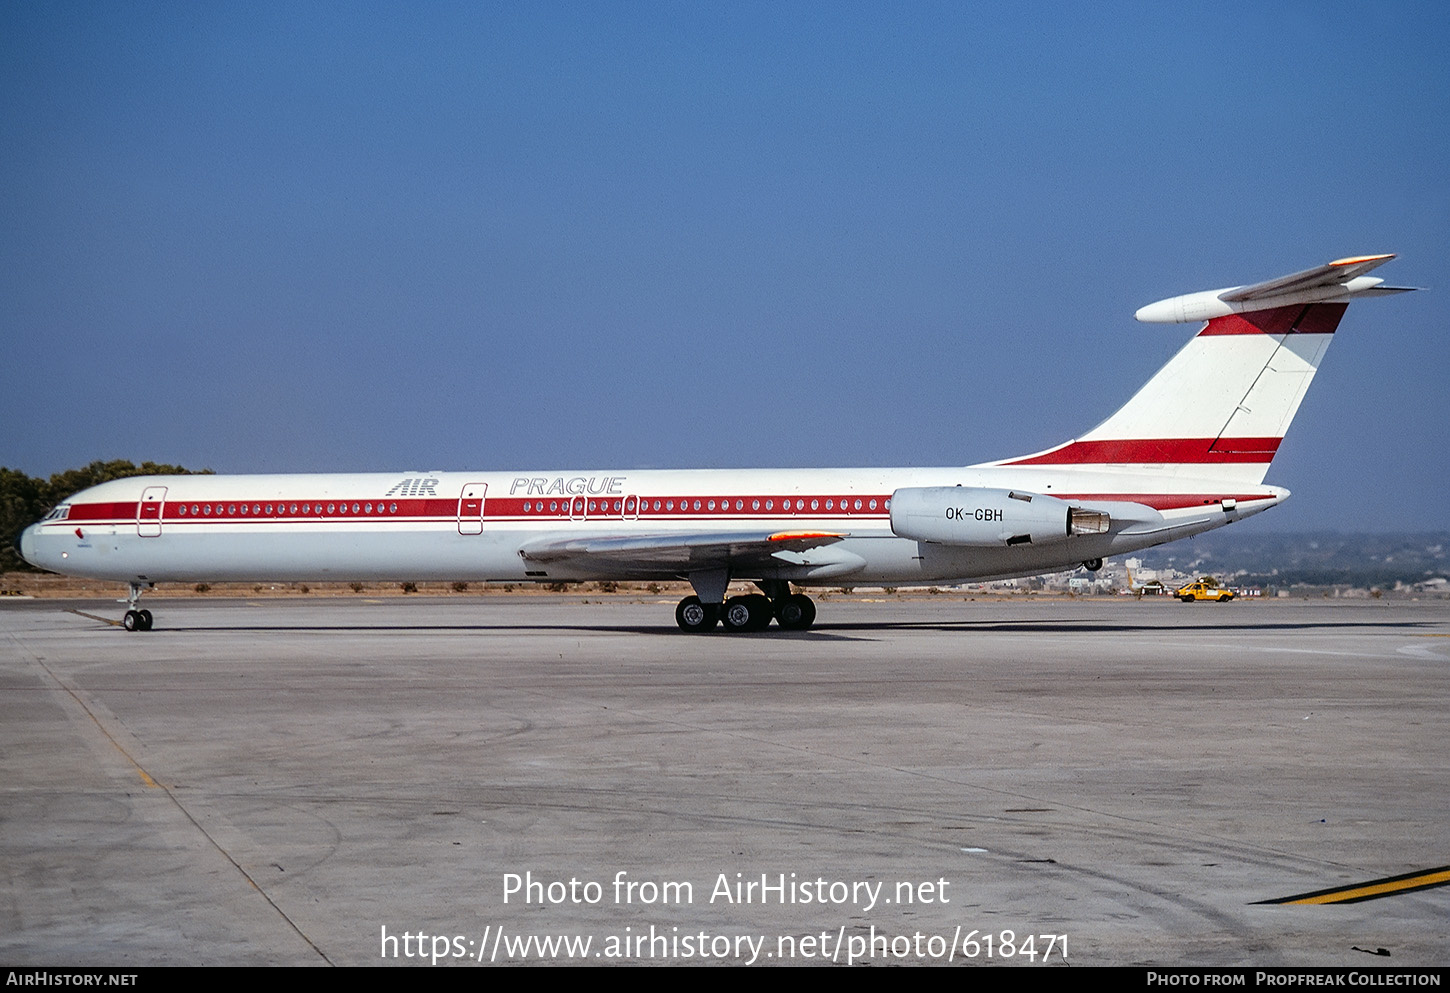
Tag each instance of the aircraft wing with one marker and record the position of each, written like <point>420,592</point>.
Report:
<point>684,553</point>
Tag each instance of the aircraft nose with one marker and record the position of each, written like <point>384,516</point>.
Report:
<point>25,544</point>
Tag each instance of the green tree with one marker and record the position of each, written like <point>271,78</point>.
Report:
<point>22,503</point>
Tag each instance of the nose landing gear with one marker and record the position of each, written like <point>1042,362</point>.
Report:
<point>136,620</point>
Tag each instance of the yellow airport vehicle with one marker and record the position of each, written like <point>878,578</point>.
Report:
<point>1204,588</point>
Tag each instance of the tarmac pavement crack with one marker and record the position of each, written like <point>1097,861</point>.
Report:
<point>77,700</point>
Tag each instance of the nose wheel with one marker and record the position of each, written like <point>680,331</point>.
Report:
<point>136,619</point>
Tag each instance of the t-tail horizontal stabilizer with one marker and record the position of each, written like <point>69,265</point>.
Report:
<point>1335,282</point>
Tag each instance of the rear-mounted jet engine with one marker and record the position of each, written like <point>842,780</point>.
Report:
<point>974,515</point>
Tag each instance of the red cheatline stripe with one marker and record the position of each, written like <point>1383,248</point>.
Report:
<point>101,511</point>
<point>1153,451</point>
<point>441,511</point>
<point>1166,501</point>
<point>303,511</point>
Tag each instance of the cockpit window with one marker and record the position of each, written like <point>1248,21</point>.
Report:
<point>58,513</point>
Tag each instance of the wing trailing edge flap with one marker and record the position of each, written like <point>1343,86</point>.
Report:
<point>780,551</point>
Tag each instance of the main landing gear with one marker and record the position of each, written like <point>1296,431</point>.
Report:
<point>751,612</point>
<point>136,620</point>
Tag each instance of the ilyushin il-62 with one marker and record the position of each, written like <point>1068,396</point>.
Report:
<point>1188,453</point>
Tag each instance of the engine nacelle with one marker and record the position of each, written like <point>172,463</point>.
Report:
<point>974,515</point>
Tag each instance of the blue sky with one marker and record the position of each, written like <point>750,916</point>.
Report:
<point>329,237</point>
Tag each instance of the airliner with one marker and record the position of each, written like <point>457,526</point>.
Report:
<point>1188,453</point>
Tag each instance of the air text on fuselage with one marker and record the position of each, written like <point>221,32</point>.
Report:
<point>413,487</point>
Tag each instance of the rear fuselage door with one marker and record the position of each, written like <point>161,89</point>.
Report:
<point>470,508</point>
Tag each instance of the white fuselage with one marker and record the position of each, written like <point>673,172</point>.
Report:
<point>480,525</point>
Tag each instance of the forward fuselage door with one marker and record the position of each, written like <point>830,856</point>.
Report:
<point>148,511</point>
<point>470,508</point>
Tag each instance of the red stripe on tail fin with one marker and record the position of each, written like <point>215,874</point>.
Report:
<point>1315,318</point>
<point>1154,451</point>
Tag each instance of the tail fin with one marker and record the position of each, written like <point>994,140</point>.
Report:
<point>1221,406</point>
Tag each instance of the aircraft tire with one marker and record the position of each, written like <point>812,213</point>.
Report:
<point>132,621</point>
<point>145,619</point>
<point>764,611</point>
<point>796,612</point>
<point>695,617</point>
<point>746,613</point>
